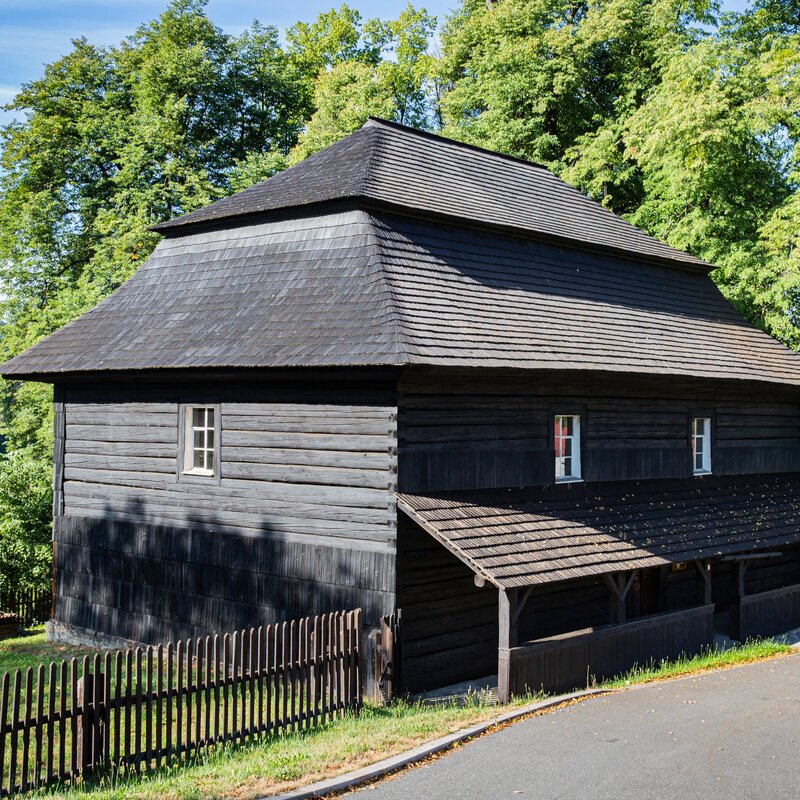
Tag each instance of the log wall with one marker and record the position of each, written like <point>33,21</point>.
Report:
<point>462,430</point>
<point>300,519</point>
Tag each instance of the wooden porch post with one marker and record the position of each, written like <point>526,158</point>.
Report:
<point>739,591</point>
<point>704,568</point>
<point>507,629</point>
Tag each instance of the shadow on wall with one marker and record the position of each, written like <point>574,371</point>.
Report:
<point>149,582</point>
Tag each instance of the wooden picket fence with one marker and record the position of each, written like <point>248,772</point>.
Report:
<point>142,709</point>
<point>30,606</point>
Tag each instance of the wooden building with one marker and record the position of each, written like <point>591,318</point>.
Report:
<point>412,374</point>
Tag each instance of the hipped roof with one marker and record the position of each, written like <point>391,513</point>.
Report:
<point>358,288</point>
<point>398,167</point>
<point>529,536</point>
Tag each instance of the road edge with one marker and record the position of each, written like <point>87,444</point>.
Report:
<point>380,769</point>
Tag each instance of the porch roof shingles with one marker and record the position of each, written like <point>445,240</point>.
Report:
<point>534,535</point>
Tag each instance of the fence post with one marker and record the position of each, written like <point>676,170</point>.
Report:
<point>91,701</point>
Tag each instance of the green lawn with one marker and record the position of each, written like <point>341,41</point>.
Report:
<point>31,650</point>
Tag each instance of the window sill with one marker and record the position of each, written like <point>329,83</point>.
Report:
<point>201,473</point>
<point>569,480</point>
<point>701,473</point>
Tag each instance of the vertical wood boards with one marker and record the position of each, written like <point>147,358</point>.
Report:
<point>564,663</point>
<point>120,696</point>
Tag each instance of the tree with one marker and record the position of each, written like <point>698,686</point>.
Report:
<point>108,142</point>
<point>687,129</point>
<point>379,69</point>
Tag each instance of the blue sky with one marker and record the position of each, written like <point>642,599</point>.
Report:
<point>35,32</point>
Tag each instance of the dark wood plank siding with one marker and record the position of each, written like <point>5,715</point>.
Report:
<point>150,582</point>
<point>449,626</point>
<point>462,430</point>
<point>302,519</point>
<point>571,661</point>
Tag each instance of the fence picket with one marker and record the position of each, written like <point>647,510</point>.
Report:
<point>51,715</point>
<point>39,727</point>
<point>3,722</point>
<point>198,694</point>
<point>169,696</point>
<point>179,701</point>
<point>62,724</point>
<point>189,663</point>
<point>226,649</point>
<point>216,688</point>
<point>74,720</point>
<point>281,677</point>
<point>148,735</point>
<point>207,719</point>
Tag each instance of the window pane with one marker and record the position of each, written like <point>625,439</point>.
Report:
<point>198,417</point>
<point>210,459</point>
<point>210,439</point>
<point>210,417</point>
<point>568,467</point>
<point>568,447</point>
<point>198,458</point>
<point>198,438</point>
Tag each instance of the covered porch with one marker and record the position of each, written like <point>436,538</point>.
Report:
<point>662,556</point>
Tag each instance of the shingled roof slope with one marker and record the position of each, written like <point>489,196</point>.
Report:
<point>298,291</point>
<point>535,535</point>
<point>358,288</point>
<point>397,166</point>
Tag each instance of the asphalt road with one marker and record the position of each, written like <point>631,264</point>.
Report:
<point>728,734</point>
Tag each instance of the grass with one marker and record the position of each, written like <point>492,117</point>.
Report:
<point>278,764</point>
<point>711,658</point>
<point>31,650</point>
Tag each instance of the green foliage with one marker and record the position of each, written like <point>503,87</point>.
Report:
<point>353,82</point>
<point>25,519</point>
<point>689,128</point>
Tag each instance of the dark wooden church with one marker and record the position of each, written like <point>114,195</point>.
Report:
<point>412,374</point>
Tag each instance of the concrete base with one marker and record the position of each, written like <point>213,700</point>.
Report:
<point>482,691</point>
<point>60,633</point>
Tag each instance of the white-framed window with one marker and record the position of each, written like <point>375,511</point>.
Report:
<point>701,445</point>
<point>199,432</point>
<point>567,440</point>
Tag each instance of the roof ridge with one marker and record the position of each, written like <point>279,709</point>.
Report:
<point>379,122</point>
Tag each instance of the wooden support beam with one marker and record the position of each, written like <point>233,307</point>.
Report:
<point>741,574</point>
<point>739,591</point>
<point>704,568</point>
<point>618,592</point>
<point>663,588</point>
<point>752,556</point>
<point>520,605</point>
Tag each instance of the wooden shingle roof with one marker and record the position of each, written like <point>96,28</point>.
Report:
<point>523,537</point>
<point>358,288</point>
<point>393,166</point>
